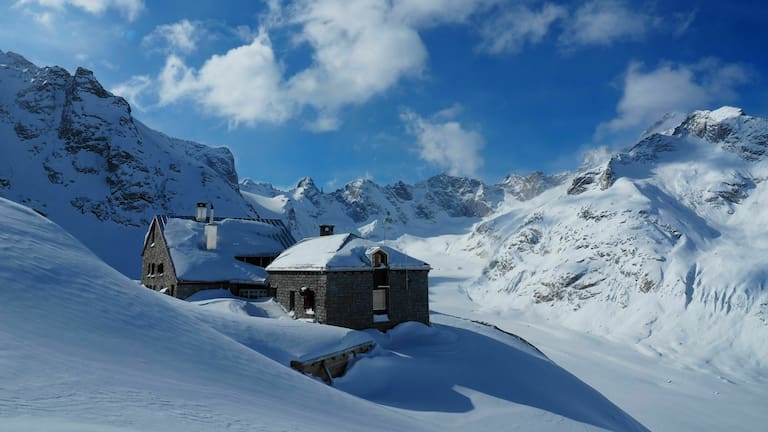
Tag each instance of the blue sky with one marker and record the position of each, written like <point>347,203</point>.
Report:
<point>404,89</point>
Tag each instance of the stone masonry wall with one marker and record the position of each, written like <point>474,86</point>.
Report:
<point>408,299</point>
<point>345,299</point>
<point>157,253</point>
<point>284,283</point>
<point>350,299</point>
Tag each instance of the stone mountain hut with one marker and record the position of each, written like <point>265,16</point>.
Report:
<point>348,281</point>
<point>184,255</point>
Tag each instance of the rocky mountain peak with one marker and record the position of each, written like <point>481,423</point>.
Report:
<point>11,58</point>
<point>306,183</point>
<point>86,81</point>
<point>710,125</point>
<point>526,187</point>
<point>731,128</point>
<point>75,152</point>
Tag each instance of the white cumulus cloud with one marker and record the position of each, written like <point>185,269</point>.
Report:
<point>649,94</point>
<point>243,85</point>
<point>445,143</point>
<point>360,49</point>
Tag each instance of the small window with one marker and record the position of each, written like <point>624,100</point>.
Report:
<point>152,237</point>
<point>380,300</point>
<point>379,259</point>
<point>309,300</point>
<point>252,293</point>
<point>160,269</point>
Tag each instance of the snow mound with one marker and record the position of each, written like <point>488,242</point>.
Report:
<point>456,365</point>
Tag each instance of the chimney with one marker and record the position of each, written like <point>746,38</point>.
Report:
<point>210,236</point>
<point>326,230</point>
<point>200,215</point>
<point>211,232</point>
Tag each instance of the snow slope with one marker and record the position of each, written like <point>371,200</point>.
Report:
<point>84,348</point>
<point>665,393</point>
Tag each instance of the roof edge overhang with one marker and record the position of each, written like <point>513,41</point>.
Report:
<point>344,269</point>
<point>200,282</point>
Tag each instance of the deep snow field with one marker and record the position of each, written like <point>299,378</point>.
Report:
<point>83,348</point>
<point>662,386</point>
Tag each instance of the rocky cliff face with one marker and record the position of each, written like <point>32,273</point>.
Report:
<point>73,151</point>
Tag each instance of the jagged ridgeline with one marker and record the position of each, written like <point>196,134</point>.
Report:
<point>678,219</point>
<point>73,151</point>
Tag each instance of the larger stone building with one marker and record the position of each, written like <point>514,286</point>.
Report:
<point>183,255</point>
<point>348,281</point>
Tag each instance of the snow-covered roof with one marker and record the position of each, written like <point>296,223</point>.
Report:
<point>185,239</point>
<point>340,252</point>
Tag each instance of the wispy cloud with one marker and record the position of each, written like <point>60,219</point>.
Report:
<point>134,90</point>
<point>649,94</point>
<point>445,143</point>
<point>512,28</point>
<point>603,22</point>
<point>129,8</point>
<point>359,51</point>
<point>179,37</point>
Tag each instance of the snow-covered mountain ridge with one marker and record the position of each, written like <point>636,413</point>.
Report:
<point>439,205</point>
<point>653,243</point>
<point>73,151</point>
<point>665,242</point>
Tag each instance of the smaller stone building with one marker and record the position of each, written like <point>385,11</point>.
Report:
<point>184,255</point>
<point>348,281</point>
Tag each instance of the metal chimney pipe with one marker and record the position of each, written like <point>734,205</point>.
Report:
<point>200,214</point>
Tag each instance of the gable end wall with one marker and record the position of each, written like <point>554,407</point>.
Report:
<point>157,254</point>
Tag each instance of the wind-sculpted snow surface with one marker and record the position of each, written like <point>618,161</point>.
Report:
<point>84,348</point>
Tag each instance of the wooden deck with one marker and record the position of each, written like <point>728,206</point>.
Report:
<point>333,365</point>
